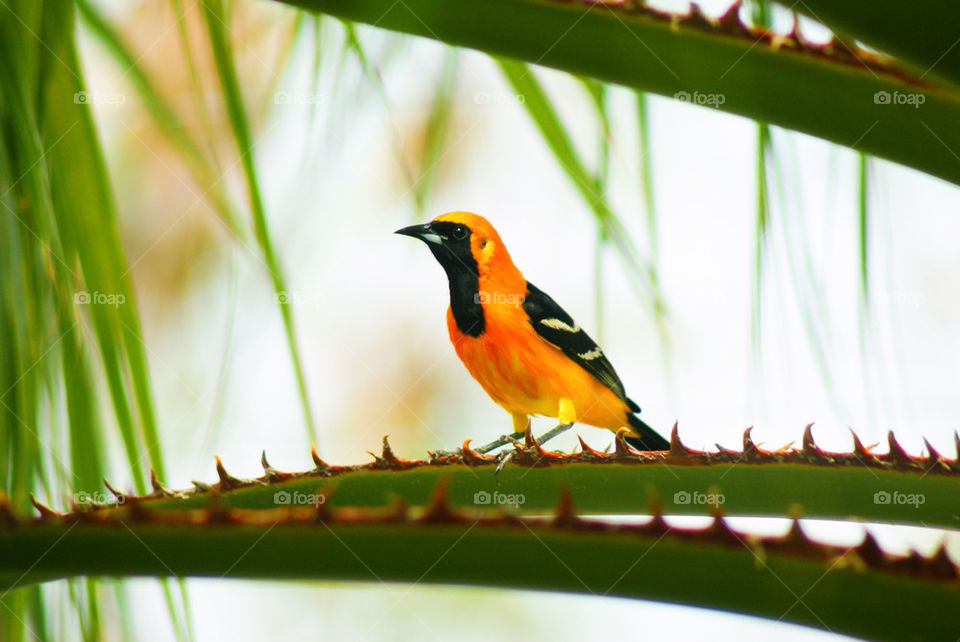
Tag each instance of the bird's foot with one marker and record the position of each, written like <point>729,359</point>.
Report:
<point>528,442</point>
<point>502,440</point>
<point>507,455</point>
<point>501,461</point>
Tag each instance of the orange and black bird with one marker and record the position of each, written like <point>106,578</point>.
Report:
<point>526,352</point>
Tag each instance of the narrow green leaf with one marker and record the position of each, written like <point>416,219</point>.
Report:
<point>645,152</point>
<point>541,110</point>
<point>229,84</point>
<point>761,222</point>
<point>863,170</point>
<point>436,131</point>
<point>205,174</point>
<point>80,183</point>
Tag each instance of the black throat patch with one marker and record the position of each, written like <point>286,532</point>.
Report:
<point>463,276</point>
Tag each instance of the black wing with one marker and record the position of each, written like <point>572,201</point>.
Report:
<point>557,327</point>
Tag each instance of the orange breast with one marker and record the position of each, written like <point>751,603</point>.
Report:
<point>526,375</point>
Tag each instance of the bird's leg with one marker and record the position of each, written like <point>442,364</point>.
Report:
<point>505,456</point>
<point>502,440</point>
<point>566,413</point>
<point>559,429</point>
<point>521,423</point>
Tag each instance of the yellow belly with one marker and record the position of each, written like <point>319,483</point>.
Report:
<point>526,375</point>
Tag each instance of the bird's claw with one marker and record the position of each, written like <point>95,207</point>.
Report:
<point>501,461</point>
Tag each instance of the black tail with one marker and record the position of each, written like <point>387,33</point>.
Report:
<point>649,438</point>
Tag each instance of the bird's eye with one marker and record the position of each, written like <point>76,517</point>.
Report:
<point>460,232</point>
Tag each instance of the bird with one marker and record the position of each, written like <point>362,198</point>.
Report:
<point>524,350</point>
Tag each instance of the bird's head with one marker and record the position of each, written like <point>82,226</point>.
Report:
<point>465,243</point>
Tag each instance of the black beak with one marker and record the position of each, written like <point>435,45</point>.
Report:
<point>422,232</point>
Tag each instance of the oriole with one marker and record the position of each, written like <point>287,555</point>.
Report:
<point>526,352</point>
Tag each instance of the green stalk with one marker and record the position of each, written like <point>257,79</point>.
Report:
<point>858,591</point>
<point>806,482</point>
